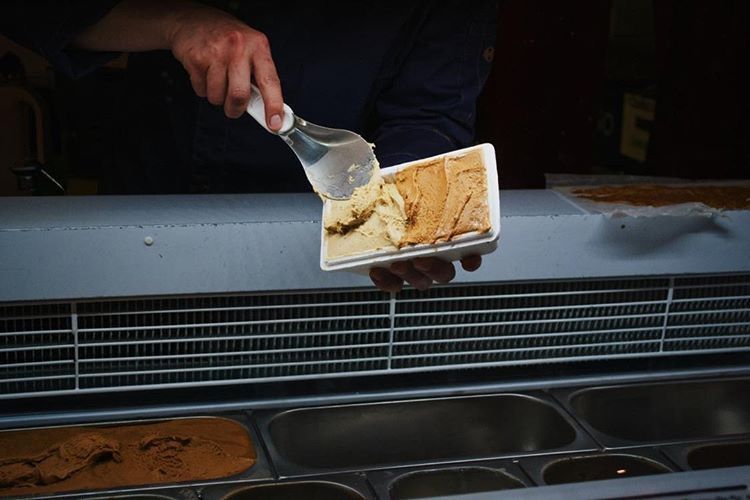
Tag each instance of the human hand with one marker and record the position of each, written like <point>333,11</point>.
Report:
<point>421,272</point>
<point>221,54</point>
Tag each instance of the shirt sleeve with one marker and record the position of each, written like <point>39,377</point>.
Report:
<point>428,107</point>
<point>48,26</point>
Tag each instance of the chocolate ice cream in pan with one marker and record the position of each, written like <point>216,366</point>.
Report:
<point>111,456</point>
<point>445,206</point>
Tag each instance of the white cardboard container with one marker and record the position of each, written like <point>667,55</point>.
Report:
<point>466,244</point>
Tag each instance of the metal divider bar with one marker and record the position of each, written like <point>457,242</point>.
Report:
<point>529,295</point>
<point>34,348</point>
<point>232,323</point>
<point>670,293</point>
<point>544,308</point>
<point>245,353</point>
<point>35,378</point>
<point>229,309</point>
<point>392,326</point>
<point>222,337</point>
<point>230,367</point>
<point>74,329</point>
<point>530,321</point>
<point>582,333</point>
<point>708,325</point>
<point>33,332</point>
<point>40,363</point>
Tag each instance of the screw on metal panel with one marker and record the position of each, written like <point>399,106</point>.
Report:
<point>148,240</point>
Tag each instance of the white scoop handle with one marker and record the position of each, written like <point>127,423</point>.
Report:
<point>257,110</point>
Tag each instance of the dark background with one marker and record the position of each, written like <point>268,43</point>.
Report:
<point>553,103</point>
<point>561,69</point>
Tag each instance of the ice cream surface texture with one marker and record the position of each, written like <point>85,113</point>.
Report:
<point>445,198</point>
<point>429,202</point>
<point>60,459</point>
<point>372,218</point>
<point>720,197</point>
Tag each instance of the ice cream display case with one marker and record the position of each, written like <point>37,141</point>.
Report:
<point>191,347</point>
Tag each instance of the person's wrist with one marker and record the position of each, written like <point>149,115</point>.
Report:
<point>177,14</point>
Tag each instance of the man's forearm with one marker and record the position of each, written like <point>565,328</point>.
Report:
<point>220,53</point>
<point>134,26</point>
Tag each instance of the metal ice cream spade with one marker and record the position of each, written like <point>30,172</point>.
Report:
<point>335,161</point>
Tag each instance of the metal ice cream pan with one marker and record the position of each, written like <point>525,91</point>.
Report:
<point>661,413</point>
<point>710,455</point>
<point>260,471</point>
<point>338,487</point>
<point>445,480</point>
<point>425,431</point>
<point>597,466</point>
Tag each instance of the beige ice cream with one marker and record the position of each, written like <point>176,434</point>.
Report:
<point>373,218</point>
<point>430,202</point>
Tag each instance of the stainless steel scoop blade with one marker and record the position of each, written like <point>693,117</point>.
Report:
<point>335,161</point>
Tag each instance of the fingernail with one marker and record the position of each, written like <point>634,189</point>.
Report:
<point>275,122</point>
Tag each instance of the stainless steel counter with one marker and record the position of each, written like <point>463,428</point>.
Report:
<point>85,247</point>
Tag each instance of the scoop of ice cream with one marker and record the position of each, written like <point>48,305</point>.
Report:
<point>373,218</point>
<point>345,215</point>
<point>466,206</point>
<point>425,191</point>
<point>430,202</point>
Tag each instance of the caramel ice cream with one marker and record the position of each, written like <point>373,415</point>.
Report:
<point>430,202</point>
<point>61,459</point>
<point>445,198</point>
<point>719,197</point>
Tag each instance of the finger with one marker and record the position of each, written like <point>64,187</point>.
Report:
<point>198,80</point>
<point>270,87</point>
<point>405,270</point>
<point>216,84</point>
<point>238,87</point>
<point>471,262</point>
<point>436,269</point>
<point>386,281</point>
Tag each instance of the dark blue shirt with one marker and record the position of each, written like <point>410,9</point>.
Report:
<point>405,75</point>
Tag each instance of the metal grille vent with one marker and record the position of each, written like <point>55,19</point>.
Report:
<point>709,313</point>
<point>91,346</point>
<point>529,323</point>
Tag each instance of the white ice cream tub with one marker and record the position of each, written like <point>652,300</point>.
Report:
<point>463,245</point>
